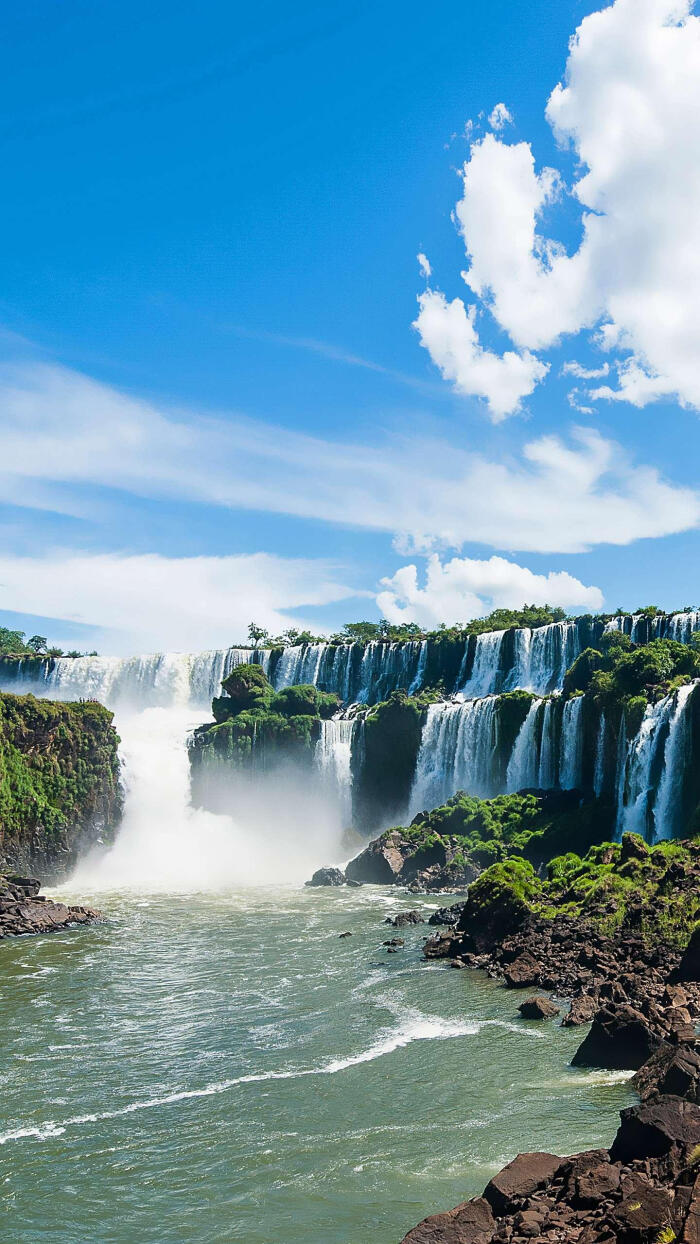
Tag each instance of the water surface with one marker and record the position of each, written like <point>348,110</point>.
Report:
<point>210,1068</point>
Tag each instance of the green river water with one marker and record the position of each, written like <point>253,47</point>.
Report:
<point>210,1068</point>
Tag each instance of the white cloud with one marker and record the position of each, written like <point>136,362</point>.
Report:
<point>424,265</point>
<point>629,107</point>
<point>585,373</point>
<point>65,435</point>
<point>448,332</point>
<point>465,588</point>
<point>148,602</point>
<point>500,117</point>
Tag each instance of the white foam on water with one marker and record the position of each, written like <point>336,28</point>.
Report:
<point>415,1027</point>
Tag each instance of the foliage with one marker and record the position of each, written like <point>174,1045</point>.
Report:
<point>58,769</point>
<point>14,644</point>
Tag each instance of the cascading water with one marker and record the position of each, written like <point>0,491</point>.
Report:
<point>457,752</point>
<point>599,769</point>
<point>636,787</point>
<point>484,676</point>
<point>677,756</point>
<point>333,761</point>
<point>522,768</point>
<point>571,744</point>
<point>164,843</point>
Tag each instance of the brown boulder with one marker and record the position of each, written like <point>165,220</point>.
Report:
<point>469,1223</point>
<point>522,972</point>
<point>519,1179</point>
<point>581,1011</point>
<point>654,1128</point>
<point>619,1037</point>
<point>538,1008</point>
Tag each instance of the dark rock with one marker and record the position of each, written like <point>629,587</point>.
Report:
<point>447,915</point>
<point>595,1184</point>
<point>689,967</point>
<point>643,1210</point>
<point>633,847</point>
<point>523,971</point>
<point>654,1128</point>
<point>519,1179</point>
<point>403,918</point>
<point>538,1008</point>
<point>327,877</point>
<point>347,934</point>
<point>581,1011</point>
<point>380,863</point>
<point>353,885</point>
<point>469,1223</point>
<point>619,1038</point>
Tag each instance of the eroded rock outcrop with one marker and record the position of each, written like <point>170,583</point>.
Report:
<point>24,910</point>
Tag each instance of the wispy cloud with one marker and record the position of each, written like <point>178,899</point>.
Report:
<point>64,431</point>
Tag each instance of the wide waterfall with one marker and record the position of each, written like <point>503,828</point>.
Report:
<point>164,843</point>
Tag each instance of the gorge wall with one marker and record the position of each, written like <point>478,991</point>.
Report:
<point>59,783</point>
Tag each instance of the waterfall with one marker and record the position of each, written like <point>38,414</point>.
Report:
<point>542,657</point>
<point>356,673</point>
<point>457,752</point>
<point>522,771</point>
<point>677,755</point>
<point>682,626</point>
<point>332,759</point>
<point>599,769</point>
<point>164,843</point>
<point>485,670</point>
<point>637,779</point>
<point>571,744</point>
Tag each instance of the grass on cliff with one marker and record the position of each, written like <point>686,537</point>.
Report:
<point>653,892</point>
<point>58,762</point>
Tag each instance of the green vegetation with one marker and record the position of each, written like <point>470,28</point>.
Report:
<point>15,644</point>
<point>259,727</point>
<point>652,891</point>
<point>59,778</point>
<point>480,832</point>
<point>384,758</point>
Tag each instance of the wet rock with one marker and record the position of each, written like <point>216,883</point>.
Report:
<point>619,1038</point>
<point>633,847</point>
<point>519,1179</point>
<point>538,1008</point>
<point>346,934</point>
<point>654,1128</point>
<point>24,910</point>
<point>447,915</point>
<point>380,863</point>
<point>404,918</point>
<point>469,1223</point>
<point>327,877</point>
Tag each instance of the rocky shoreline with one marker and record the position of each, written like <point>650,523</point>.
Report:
<point>643,999</point>
<point>24,910</point>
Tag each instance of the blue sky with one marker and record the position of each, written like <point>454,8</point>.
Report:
<point>216,406</point>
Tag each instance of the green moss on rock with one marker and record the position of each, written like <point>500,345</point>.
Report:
<point>59,781</point>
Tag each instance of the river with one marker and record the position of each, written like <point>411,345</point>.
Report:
<point>215,1067</point>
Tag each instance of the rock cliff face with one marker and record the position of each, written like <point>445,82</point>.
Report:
<point>59,782</point>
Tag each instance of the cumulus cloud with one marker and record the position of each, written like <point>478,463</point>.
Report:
<point>64,435</point>
<point>465,588</point>
<point>149,602</point>
<point>629,109</point>
<point>424,265</point>
<point>448,332</point>
<point>500,117</point>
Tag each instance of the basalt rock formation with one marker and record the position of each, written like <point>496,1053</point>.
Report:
<point>24,910</point>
